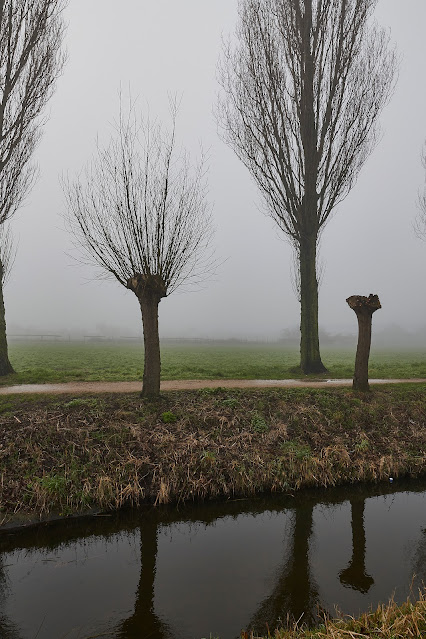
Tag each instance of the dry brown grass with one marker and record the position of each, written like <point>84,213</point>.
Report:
<point>387,622</point>
<point>67,455</point>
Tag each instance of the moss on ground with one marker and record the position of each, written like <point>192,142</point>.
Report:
<point>67,454</point>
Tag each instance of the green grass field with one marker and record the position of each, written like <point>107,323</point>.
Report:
<point>62,361</point>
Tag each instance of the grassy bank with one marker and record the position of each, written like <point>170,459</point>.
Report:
<point>68,454</point>
<point>60,362</point>
<point>387,622</point>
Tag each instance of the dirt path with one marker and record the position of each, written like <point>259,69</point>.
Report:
<point>132,387</point>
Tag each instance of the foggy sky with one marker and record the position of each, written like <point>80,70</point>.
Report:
<point>162,47</point>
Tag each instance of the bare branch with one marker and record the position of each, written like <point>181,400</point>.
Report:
<point>420,222</point>
<point>302,95</point>
<point>31,33</point>
<point>139,209</point>
<point>7,253</point>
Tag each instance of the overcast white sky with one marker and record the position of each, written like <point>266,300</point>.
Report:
<point>168,46</point>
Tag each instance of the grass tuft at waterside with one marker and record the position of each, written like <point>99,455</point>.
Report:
<point>70,454</point>
<point>389,621</point>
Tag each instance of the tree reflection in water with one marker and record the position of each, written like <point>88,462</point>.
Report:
<point>295,594</point>
<point>7,629</point>
<point>419,565</point>
<point>144,618</point>
<point>355,575</point>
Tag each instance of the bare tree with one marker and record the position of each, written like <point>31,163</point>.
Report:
<point>140,214</point>
<point>420,224</point>
<point>303,87</point>
<point>31,33</point>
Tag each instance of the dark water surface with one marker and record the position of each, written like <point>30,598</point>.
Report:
<point>214,569</point>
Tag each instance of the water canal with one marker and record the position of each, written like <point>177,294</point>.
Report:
<point>214,569</point>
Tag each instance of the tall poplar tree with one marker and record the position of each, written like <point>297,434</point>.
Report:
<point>31,33</point>
<point>304,84</point>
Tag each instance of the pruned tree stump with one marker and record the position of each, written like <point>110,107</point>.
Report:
<point>364,307</point>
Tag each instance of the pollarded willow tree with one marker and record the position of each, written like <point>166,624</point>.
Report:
<point>304,85</point>
<point>31,33</point>
<point>140,213</point>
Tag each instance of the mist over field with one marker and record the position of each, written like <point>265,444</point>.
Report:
<point>154,49</point>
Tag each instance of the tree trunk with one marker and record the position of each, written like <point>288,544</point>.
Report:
<point>364,308</point>
<point>149,289</point>
<point>5,365</point>
<point>149,301</point>
<point>310,358</point>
